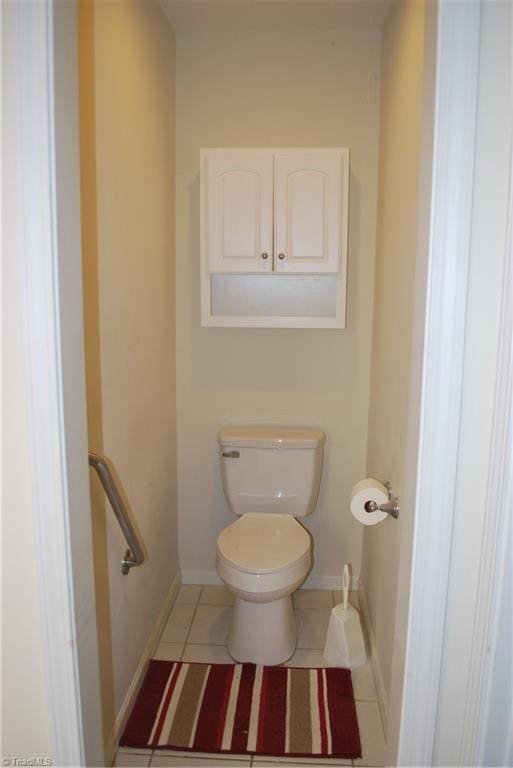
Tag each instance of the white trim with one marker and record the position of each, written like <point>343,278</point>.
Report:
<point>283,151</point>
<point>201,577</point>
<point>323,581</point>
<point>496,545</point>
<point>137,680</point>
<point>383,701</point>
<point>451,216</point>
<point>315,581</point>
<point>249,321</point>
<point>39,259</point>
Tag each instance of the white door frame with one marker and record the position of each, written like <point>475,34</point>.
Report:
<point>456,101</point>
<point>495,567</point>
<point>60,462</point>
<point>456,92</point>
<point>50,259</point>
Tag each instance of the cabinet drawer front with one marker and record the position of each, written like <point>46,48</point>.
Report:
<point>308,208</point>
<point>238,211</point>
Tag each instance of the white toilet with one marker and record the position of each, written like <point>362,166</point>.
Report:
<point>270,475</point>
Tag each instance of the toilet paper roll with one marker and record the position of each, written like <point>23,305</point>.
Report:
<point>368,490</point>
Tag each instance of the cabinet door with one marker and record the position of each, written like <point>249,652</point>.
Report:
<point>310,227</point>
<point>238,208</point>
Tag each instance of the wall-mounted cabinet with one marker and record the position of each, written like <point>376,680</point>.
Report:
<point>274,237</point>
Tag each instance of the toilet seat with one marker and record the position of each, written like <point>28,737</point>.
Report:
<point>259,543</point>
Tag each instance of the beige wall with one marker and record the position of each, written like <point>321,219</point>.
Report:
<point>127,64</point>
<point>405,113</point>
<point>304,90</point>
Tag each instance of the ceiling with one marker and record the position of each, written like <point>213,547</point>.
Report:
<point>261,16</point>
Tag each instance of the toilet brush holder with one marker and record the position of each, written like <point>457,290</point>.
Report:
<point>345,646</point>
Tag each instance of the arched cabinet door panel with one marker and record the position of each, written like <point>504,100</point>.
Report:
<point>238,189</point>
<point>310,196</point>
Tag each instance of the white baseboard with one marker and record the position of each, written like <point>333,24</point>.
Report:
<point>313,582</point>
<point>201,577</point>
<point>149,650</point>
<point>376,666</point>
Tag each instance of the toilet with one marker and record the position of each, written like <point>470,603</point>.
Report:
<point>271,477</point>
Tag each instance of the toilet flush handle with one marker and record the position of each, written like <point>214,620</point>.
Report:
<point>230,454</point>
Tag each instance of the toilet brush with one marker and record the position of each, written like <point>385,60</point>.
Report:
<point>345,646</point>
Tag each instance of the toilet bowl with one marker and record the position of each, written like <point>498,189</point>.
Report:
<point>270,477</point>
<point>263,559</point>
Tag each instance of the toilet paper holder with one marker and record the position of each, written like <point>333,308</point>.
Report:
<point>391,507</point>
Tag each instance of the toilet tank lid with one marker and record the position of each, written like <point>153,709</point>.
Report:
<point>271,437</point>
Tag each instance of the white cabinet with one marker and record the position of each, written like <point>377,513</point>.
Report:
<point>278,215</point>
<point>238,211</point>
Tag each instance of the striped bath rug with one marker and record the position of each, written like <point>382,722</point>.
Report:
<point>245,709</point>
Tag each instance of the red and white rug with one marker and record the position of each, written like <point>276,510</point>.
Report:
<point>245,709</point>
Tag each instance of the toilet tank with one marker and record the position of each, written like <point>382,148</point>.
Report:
<point>271,469</point>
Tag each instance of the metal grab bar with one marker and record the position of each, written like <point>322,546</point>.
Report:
<point>134,555</point>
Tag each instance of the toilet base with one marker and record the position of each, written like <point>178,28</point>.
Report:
<point>263,633</point>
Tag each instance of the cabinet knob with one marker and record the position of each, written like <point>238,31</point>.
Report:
<point>265,255</point>
<point>281,256</point>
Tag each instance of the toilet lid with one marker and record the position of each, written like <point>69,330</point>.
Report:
<point>263,543</point>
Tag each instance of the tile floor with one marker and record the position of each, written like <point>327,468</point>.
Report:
<point>197,630</point>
